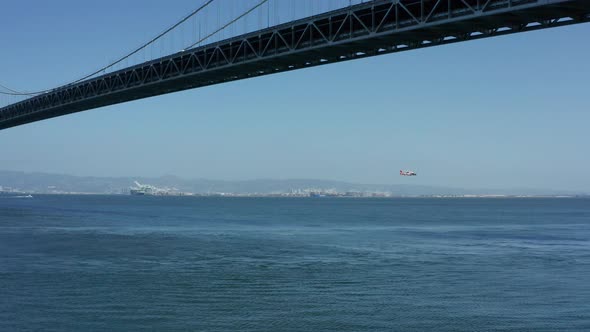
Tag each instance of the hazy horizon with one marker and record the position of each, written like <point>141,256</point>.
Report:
<point>514,189</point>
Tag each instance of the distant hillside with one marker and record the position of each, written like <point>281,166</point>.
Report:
<point>48,183</point>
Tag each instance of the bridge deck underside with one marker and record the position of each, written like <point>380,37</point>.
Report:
<point>373,28</point>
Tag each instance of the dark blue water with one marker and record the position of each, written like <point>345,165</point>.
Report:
<point>262,264</point>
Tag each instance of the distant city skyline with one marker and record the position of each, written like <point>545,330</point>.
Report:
<point>505,112</point>
<point>46,183</point>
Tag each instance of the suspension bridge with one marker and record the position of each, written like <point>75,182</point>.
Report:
<point>348,30</point>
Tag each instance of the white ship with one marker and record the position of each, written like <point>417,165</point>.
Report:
<point>149,190</point>
<point>142,189</point>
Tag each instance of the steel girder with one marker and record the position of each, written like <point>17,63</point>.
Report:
<point>372,28</point>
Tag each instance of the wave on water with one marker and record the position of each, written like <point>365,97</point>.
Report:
<point>21,196</point>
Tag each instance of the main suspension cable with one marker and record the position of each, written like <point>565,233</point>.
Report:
<point>226,25</point>
<point>11,91</point>
<point>193,13</point>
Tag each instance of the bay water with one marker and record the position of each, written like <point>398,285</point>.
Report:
<point>123,263</point>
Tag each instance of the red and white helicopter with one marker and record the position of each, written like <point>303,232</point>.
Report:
<point>407,173</point>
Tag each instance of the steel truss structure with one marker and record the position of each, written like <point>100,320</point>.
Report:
<point>372,28</point>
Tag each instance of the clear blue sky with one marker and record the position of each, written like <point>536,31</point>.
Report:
<point>506,112</point>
